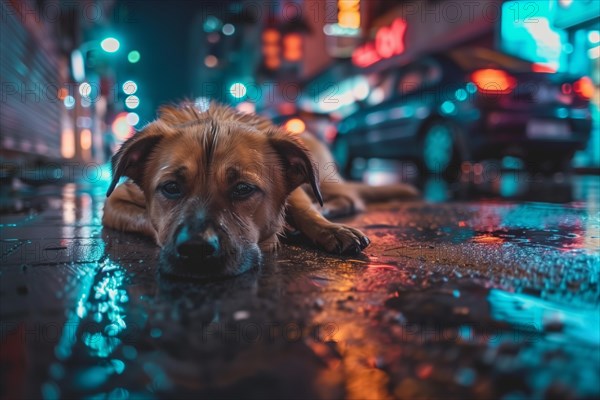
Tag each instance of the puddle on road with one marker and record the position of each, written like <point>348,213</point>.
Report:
<point>454,305</point>
<point>552,238</point>
<point>94,348</point>
<point>515,334</point>
<point>115,341</point>
<point>533,225</point>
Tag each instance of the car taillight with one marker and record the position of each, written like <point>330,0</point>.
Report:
<point>330,133</point>
<point>493,81</point>
<point>543,68</point>
<point>566,88</point>
<point>584,87</point>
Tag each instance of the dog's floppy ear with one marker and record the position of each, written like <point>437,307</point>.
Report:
<point>299,165</point>
<point>130,158</point>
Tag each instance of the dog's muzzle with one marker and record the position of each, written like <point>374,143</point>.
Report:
<point>199,249</point>
<point>198,243</point>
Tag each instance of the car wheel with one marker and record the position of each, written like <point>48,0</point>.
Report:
<point>439,151</point>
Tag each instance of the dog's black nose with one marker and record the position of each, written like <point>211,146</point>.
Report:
<point>200,245</point>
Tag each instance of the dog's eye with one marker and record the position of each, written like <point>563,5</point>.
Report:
<point>242,191</point>
<point>171,190</point>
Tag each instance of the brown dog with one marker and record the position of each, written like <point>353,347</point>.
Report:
<point>214,189</point>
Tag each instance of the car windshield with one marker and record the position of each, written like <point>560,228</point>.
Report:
<point>476,58</point>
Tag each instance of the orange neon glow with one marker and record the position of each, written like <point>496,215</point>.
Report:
<point>62,93</point>
<point>349,13</point>
<point>271,48</point>
<point>493,81</point>
<point>272,62</point>
<point>86,139</point>
<point>270,36</point>
<point>486,238</point>
<point>295,126</point>
<point>292,47</point>
<point>584,87</point>
<point>121,127</point>
<point>67,143</point>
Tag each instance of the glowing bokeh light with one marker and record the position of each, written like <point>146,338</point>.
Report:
<point>133,118</point>
<point>69,102</point>
<point>85,89</point>
<point>238,90</point>
<point>228,29</point>
<point>130,87</point>
<point>121,127</point>
<point>86,139</point>
<point>132,102</point>
<point>110,45</point>
<point>67,143</point>
<point>211,61</point>
<point>133,56</point>
<point>295,126</point>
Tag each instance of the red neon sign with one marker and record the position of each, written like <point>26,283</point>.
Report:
<point>389,42</point>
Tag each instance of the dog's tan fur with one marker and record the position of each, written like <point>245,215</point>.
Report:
<point>208,153</point>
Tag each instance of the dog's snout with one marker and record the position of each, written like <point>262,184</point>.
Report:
<point>201,244</point>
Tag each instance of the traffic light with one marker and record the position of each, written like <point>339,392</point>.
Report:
<point>271,48</point>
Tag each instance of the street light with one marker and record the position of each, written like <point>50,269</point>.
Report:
<point>237,90</point>
<point>85,89</point>
<point>132,102</point>
<point>130,87</point>
<point>69,102</point>
<point>110,45</point>
<point>133,118</point>
<point>228,29</point>
<point>133,56</point>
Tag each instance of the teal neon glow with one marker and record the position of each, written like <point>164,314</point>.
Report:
<point>110,45</point>
<point>448,107</point>
<point>438,148</point>
<point>528,32</point>
<point>461,94</point>
<point>471,87</point>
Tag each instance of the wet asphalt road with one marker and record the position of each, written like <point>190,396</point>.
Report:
<point>480,297</point>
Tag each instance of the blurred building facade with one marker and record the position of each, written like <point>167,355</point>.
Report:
<point>346,41</point>
<point>34,69</point>
<point>59,85</point>
<point>64,97</point>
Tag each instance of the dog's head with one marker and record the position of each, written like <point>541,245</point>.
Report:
<point>215,184</point>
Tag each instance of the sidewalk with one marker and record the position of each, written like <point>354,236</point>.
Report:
<point>452,300</point>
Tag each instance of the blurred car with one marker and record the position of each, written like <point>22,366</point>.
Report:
<point>466,105</point>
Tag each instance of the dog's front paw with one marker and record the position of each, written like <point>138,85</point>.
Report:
<point>341,239</point>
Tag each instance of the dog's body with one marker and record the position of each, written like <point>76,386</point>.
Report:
<point>215,188</point>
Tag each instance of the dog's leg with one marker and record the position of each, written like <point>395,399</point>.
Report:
<point>125,210</point>
<point>335,238</point>
<point>339,200</point>
<point>371,194</point>
<point>347,198</point>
